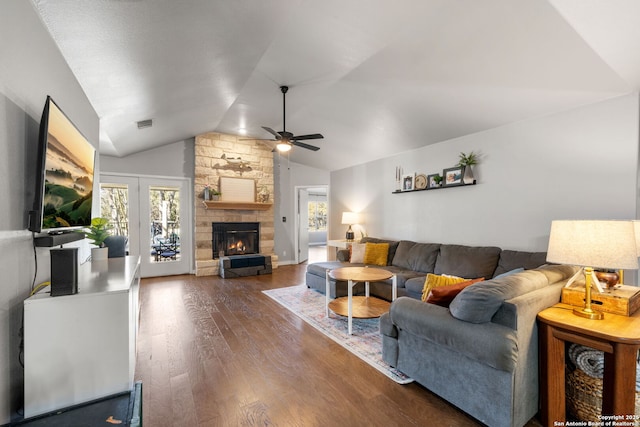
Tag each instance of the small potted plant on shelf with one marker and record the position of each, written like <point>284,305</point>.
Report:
<point>466,161</point>
<point>97,233</point>
<point>210,193</point>
<point>438,179</point>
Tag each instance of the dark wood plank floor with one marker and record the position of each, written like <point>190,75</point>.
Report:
<point>218,352</point>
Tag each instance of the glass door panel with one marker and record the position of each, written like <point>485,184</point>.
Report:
<point>164,203</point>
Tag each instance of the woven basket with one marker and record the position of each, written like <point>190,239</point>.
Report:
<point>584,396</point>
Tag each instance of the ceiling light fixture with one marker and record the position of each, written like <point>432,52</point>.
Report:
<point>283,146</point>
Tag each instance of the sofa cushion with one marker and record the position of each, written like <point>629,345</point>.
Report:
<point>415,285</point>
<point>376,253</point>
<point>443,295</point>
<point>480,301</point>
<point>467,261</point>
<point>510,260</point>
<point>416,256</point>
<point>393,245</point>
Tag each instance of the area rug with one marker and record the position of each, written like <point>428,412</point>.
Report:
<point>366,342</point>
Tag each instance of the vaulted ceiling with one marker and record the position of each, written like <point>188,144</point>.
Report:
<point>375,77</point>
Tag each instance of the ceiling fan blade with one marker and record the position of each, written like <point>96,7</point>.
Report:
<point>272,132</point>
<point>303,145</point>
<point>310,136</point>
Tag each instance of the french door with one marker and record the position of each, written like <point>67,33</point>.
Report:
<point>155,214</point>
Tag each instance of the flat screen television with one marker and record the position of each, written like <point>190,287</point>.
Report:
<point>65,175</point>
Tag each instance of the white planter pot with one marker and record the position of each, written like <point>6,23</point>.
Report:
<point>99,254</point>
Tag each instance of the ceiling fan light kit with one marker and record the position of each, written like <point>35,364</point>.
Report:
<point>286,140</point>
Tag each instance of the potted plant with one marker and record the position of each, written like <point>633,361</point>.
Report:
<point>466,161</point>
<point>210,193</point>
<point>98,232</point>
<point>437,179</point>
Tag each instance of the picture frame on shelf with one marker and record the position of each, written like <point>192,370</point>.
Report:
<point>452,176</point>
<point>432,181</point>
<point>407,183</point>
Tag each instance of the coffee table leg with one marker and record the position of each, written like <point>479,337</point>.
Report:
<point>326,294</point>
<point>366,289</point>
<point>350,311</point>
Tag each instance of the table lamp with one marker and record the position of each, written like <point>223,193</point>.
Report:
<point>592,244</point>
<point>350,218</point>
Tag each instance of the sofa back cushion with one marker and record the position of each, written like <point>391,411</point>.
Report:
<point>416,256</point>
<point>511,260</point>
<point>393,245</point>
<point>467,261</point>
<point>480,301</point>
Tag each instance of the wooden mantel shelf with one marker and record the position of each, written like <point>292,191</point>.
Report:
<point>237,205</point>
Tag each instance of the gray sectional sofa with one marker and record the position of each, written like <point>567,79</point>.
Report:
<point>481,352</point>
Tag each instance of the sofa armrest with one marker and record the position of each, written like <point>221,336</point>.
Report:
<point>491,343</point>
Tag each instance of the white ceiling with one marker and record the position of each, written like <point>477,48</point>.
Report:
<point>375,77</point>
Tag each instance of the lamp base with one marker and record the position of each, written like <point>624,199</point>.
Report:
<point>350,236</point>
<point>588,313</point>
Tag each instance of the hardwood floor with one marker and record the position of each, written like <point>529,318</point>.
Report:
<point>218,352</point>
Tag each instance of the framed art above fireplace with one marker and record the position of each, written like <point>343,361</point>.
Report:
<point>237,189</point>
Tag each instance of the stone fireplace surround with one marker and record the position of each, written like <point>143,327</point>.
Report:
<point>210,165</point>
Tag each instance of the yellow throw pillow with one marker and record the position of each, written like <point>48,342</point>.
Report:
<point>376,253</point>
<point>434,281</point>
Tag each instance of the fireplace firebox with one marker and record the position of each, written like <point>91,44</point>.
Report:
<point>235,238</point>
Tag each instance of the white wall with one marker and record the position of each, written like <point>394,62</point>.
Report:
<point>575,164</point>
<point>31,67</point>
<point>175,160</point>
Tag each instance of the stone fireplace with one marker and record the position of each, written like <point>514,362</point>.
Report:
<point>219,155</point>
<point>235,238</point>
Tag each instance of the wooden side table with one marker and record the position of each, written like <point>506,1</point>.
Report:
<point>619,338</point>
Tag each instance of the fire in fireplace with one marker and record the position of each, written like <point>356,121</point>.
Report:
<point>235,238</point>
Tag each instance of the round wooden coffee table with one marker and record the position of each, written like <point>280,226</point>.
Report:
<point>366,307</point>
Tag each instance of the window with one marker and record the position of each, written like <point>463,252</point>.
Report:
<point>317,216</point>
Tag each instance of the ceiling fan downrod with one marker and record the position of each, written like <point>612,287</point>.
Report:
<point>284,90</point>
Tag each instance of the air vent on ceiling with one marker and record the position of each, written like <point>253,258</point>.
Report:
<point>145,124</point>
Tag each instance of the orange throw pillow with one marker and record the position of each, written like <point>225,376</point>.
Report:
<point>443,295</point>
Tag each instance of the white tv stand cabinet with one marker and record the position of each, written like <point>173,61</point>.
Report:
<point>82,347</point>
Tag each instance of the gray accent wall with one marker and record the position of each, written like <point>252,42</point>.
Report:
<point>577,164</point>
<point>31,67</point>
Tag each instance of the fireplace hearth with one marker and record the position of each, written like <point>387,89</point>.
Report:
<point>235,238</point>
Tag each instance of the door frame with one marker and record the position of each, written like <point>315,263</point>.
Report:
<point>186,217</point>
<point>296,227</point>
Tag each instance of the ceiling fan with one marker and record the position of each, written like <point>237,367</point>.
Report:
<point>286,139</point>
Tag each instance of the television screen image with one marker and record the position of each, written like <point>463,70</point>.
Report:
<point>67,174</point>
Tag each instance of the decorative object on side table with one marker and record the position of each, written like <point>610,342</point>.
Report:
<point>589,244</point>
<point>466,161</point>
<point>350,218</point>
<point>97,233</point>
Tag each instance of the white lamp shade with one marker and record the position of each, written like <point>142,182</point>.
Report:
<point>350,218</point>
<point>598,244</point>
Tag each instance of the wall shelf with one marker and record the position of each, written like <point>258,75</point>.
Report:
<point>252,206</point>
<point>434,188</point>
